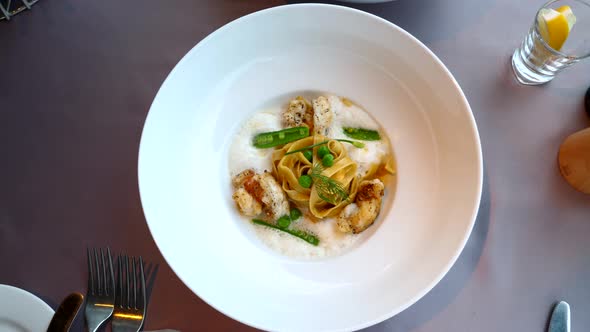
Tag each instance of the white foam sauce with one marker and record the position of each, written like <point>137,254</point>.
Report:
<point>244,155</point>
<point>355,117</point>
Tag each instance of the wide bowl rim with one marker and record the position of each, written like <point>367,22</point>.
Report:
<point>347,10</point>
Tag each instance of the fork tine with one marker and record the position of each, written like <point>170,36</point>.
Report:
<point>104,273</point>
<point>134,305</point>
<point>127,283</point>
<point>97,274</point>
<point>111,282</point>
<point>142,284</point>
<point>119,291</point>
<point>90,272</point>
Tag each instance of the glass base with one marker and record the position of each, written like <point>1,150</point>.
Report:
<point>525,74</point>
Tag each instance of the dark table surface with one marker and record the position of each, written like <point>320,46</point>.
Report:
<point>76,82</point>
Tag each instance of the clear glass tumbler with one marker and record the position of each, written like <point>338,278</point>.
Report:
<point>535,62</point>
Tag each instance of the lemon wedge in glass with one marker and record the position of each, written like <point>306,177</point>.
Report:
<point>555,25</point>
<point>569,15</point>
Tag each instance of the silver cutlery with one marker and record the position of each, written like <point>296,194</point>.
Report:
<point>560,318</point>
<point>130,302</point>
<point>100,299</point>
<point>66,313</point>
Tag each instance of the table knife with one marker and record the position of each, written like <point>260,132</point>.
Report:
<point>65,314</point>
<point>560,318</point>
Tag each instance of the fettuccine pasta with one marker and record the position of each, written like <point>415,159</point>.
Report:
<point>288,169</point>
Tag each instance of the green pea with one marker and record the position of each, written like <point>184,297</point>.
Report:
<point>305,181</point>
<point>284,222</point>
<point>295,214</point>
<point>308,154</point>
<point>322,151</point>
<point>328,160</point>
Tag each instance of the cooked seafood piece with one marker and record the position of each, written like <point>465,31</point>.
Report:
<point>358,216</point>
<point>240,178</point>
<point>299,113</point>
<point>274,199</point>
<point>322,116</point>
<point>247,204</point>
<point>256,193</point>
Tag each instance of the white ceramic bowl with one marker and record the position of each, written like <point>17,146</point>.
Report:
<point>22,311</point>
<point>266,57</point>
<point>366,1</point>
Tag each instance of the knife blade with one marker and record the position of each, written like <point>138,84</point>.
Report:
<point>560,318</point>
<point>65,314</point>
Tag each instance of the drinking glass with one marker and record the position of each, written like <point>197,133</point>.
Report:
<point>535,62</point>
